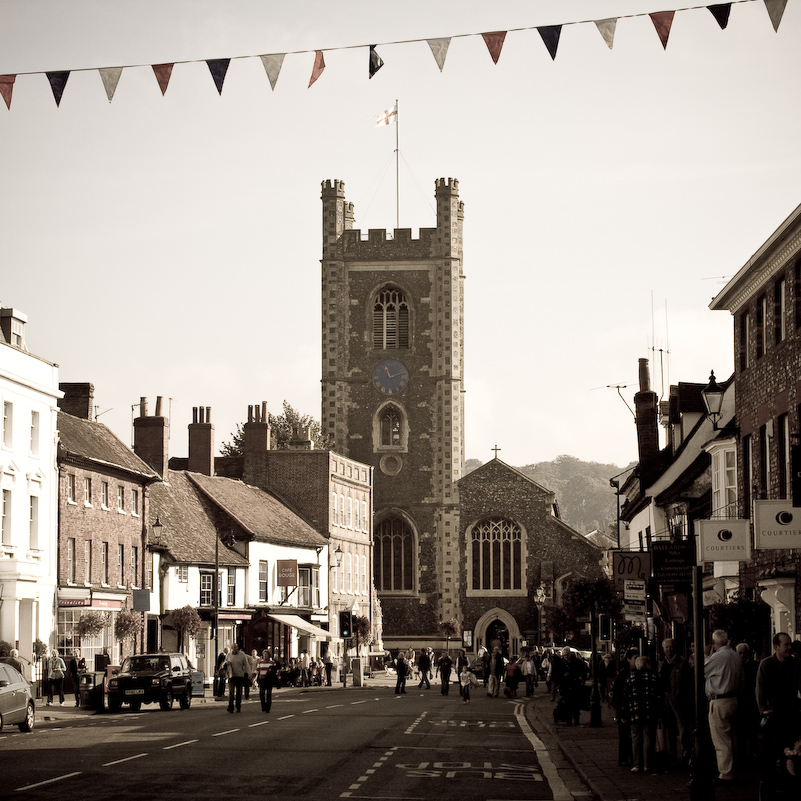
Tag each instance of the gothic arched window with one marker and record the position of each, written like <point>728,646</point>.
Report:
<point>394,556</point>
<point>390,423</point>
<point>496,552</point>
<point>390,319</point>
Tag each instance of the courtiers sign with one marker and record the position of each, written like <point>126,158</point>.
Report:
<point>723,540</point>
<point>777,524</point>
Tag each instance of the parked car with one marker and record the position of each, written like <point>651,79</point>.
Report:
<point>16,700</point>
<point>151,678</point>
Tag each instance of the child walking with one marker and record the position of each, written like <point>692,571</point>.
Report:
<point>466,678</point>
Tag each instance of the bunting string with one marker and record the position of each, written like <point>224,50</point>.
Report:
<point>550,35</point>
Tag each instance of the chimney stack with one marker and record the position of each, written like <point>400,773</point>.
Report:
<point>201,442</point>
<point>152,437</point>
<point>256,432</point>
<point>78,400</point>
<point>646,405</point>
<point>301,439</point>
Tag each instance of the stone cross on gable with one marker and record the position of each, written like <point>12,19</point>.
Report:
<point>496,449</point>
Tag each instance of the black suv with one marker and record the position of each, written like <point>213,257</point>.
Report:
<point>147,678</point>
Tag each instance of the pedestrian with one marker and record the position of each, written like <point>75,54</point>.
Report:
<point>267,679</point>
<point>513,677</point>
<point>486,663</point>
<point>220,673</point>
<point>529,669</point>
<point>777,686</point>
<point>305,665</point>
<point>55,672</point>
<point>77,668</point>
<point>237,664</point>
<point>497,670</point>
<point>554,672</point>
<point>607,676</point>
<point>466,681</point>
<point>401,670</point>
<point>571,684</point>
<point>643,704</point>
<point>424,664</point>
<point>723,673</point>
<point>328,664</point>
<point>13,660</point>
<point>676,681</point>
<point>461,662</point>
<point>444,667</point>
<point>617,699</point>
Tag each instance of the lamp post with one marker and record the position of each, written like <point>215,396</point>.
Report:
<point>539,602</point>
<point>712,395</point>
<point>157,529</point>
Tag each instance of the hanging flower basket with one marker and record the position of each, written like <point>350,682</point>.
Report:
<point>127,625</point>
<point>91,624</point>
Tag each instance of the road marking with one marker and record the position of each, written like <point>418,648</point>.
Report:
<point>334,706</point>
<point>353,703</point>
<point>306,712</point>
<point>178,745</point>
<point>127,759</point>
<point>260,723</point>
<point>286,717</point>
<point>558,788</point>
<point>48,781</point>
<point>220,733</point>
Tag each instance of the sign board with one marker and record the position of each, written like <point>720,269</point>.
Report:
<point>141,600</point>
<point>634,590</point>
<point>630,565</point>
<point>287,572</point>
<point>723,540</point>
<point>777,524</point>
<point>673,562</point>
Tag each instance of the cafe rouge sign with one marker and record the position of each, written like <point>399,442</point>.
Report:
<point>287,572</point>
<point>723,540</point>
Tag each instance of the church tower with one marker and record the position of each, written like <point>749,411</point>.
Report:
<point>393,397</point>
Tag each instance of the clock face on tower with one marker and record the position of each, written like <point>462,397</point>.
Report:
<point>390,377</point>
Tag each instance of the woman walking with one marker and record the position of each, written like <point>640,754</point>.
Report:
<point>643,699</point>
<point>55,672</point>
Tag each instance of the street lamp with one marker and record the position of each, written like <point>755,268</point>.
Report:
<point>712,395</point>
<point>539,602</point>
<point>157,527</point>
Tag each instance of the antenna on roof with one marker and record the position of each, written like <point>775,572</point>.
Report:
<point>618,387</point>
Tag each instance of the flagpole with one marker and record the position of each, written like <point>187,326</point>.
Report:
<point>397,165</point>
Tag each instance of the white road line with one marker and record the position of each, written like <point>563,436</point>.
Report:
<point>178,745</point>
<point>353,703</point>
<point>118,761</point>
<point>260,723</point>
<point>334,706</point>
<point>286,717</point>
<point>48,781</point>
<point>220,733</point>
<point>306,712</point>
<point>558,788</point>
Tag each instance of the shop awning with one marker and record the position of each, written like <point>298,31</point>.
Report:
<point>303,625</point>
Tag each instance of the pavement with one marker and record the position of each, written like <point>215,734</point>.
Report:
<point>590,751</point>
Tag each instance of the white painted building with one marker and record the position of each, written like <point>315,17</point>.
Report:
<point>28,482</point>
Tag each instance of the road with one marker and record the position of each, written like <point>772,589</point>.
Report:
<point>360,743</point>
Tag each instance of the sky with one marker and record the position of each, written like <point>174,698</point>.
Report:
<point>170,245</point>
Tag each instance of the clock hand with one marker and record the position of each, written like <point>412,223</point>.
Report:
<point>395,375</point>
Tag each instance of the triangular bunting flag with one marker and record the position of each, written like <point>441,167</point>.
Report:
<point>110,77</point>
<point>7,87</point>
<point>319,66</point>
<point>272,66</point>
<point>218,67</point>
<point>606,28</point>
<point>662,21</point>
<point>439,49</point>
<point>163,73</point>
<point>494,43</point>
<point>550,35</point>
<point>376,62</point>
<point>775,11</point>
<point>721,13</point>
<point>58,80</point>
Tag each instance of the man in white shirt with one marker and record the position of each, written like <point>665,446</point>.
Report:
<point>237,664</point>
<point>723,672</point>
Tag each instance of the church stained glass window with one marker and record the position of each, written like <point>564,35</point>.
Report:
<point>394,556</point>
<point>497,554</point>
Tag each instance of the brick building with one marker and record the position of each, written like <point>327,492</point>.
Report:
<point>102,532</point>
<point>764,298</point>
<point>393,397</point>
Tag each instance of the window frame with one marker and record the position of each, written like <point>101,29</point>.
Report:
<point>499,544</point>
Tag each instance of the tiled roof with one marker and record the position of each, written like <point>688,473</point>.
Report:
<point>86,439</point>
<point>189,532</point>
<point>259,512</point>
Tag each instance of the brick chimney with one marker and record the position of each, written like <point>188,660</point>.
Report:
<point>152,437</point>
<point>78,400</point>
<point>256,446</point>
<point>201,442</point>
<point>301,439</point>
<point>646,405</point>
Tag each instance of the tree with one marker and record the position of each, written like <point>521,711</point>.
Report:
<point>186,620</point>
<point>281,432</point>
<point>127,625</point>
<point>744,620</point>
<point>451,630</point>
<point>361,627</point>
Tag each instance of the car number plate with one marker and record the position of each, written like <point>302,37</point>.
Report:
<point>134,692</point>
